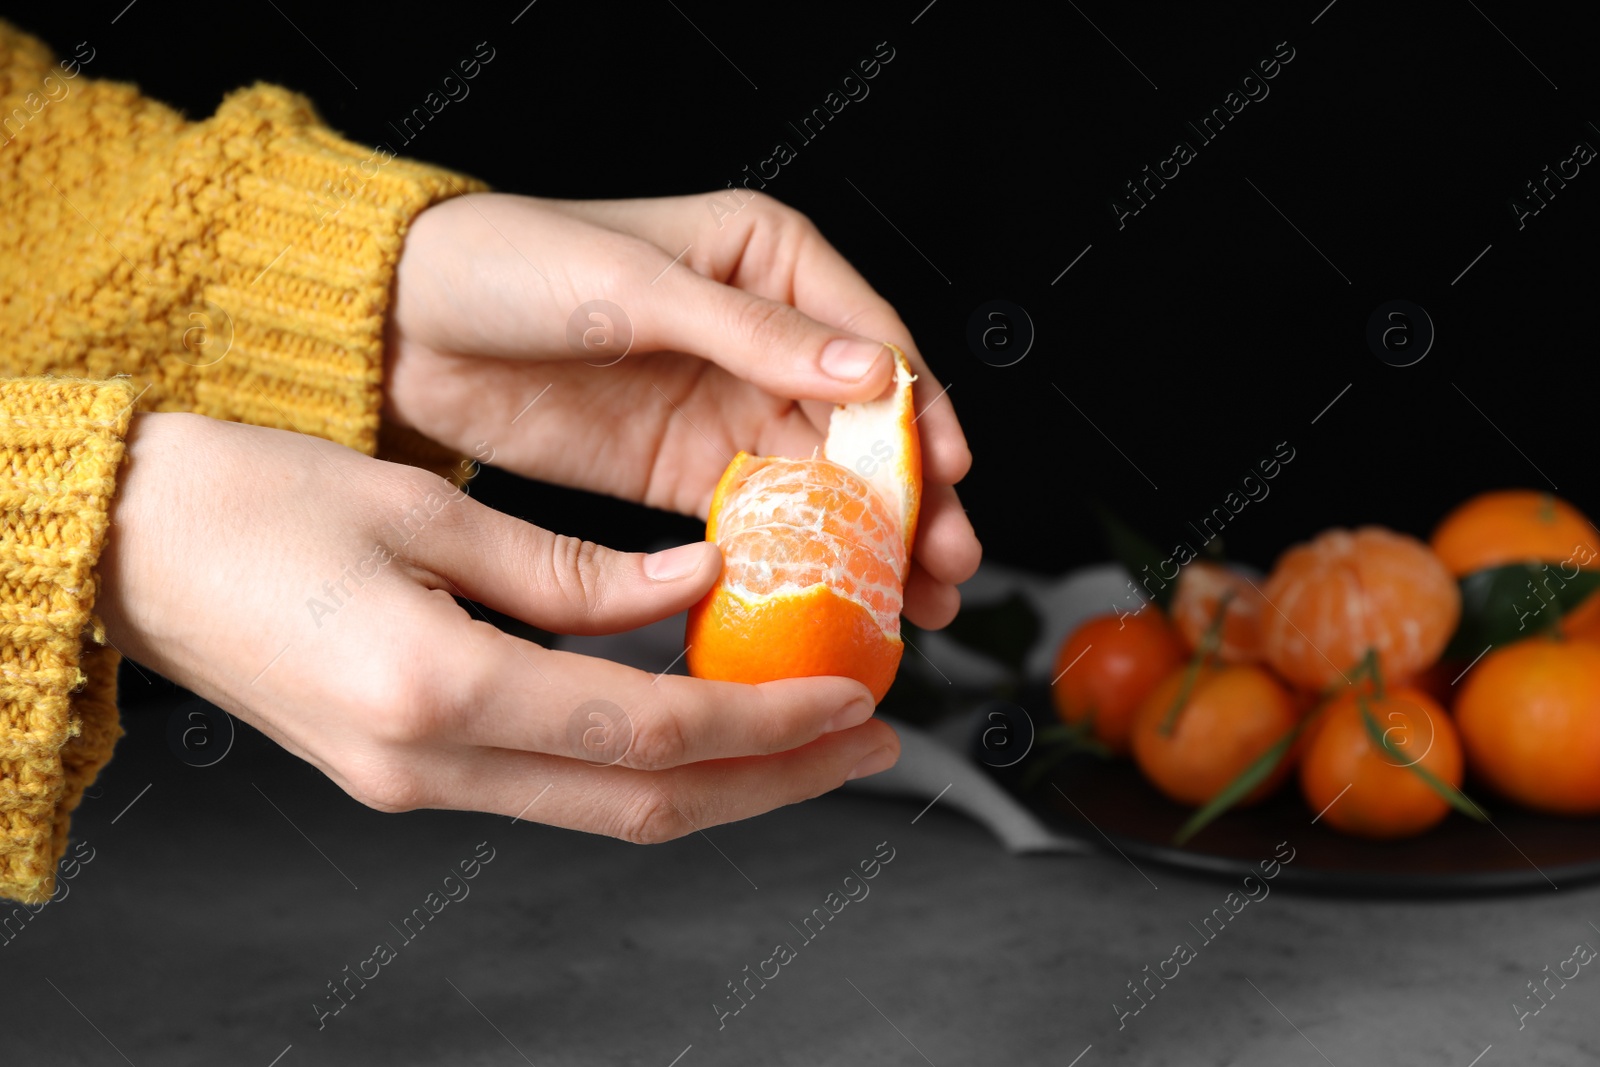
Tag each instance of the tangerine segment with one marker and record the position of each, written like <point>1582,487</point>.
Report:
<point>789,525</point>
<point>798,635</point>
<point>1529,715</point>
<point>1331,599</point>
<point>1514,526</point>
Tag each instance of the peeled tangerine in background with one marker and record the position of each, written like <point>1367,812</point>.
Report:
<point>815,553</point>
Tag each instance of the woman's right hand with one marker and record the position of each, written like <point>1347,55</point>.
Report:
<point>310,590</point>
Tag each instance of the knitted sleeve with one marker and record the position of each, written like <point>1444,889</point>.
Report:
<point>238,266</point>
<point>60,444</point>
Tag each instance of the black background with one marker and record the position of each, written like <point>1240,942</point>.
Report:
<point>1196,338</point>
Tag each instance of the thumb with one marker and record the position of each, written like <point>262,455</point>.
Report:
<point>766,342</point>
<point>560,583</point>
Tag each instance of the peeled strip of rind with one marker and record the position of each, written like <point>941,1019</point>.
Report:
<point>877,440</point>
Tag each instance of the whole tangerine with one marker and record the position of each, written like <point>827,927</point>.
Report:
<point>1514,526</point>
<point>1362,788</point>
<point>1108,665</point>
<point>1529,715</point>
<point>1230,718</point>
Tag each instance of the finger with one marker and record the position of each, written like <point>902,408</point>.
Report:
<point>827,287</point>
<point>512,694</point>
<point>648,807</point>
<point>930,603</point>
<point>766,342</point>
<point>814,277</point>
<point>559,583</point>
<point>946,543</point>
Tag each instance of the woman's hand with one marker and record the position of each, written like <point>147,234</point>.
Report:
<point>309,590</point>
<point>745,329</point>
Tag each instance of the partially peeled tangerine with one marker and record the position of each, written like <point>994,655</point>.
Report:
<point>815,553</point>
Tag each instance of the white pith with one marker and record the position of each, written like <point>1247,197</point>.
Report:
<point>746,517</point>
<point>865,439</point>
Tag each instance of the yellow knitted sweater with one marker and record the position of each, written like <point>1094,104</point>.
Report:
<point>238,267</point>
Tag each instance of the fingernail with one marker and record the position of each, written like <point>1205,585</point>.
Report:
<point>881,760</point>
<point>850,360</point>
<point>858,712</point>
<point>673,563</point>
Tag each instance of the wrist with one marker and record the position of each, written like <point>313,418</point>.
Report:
<point>153,464</point>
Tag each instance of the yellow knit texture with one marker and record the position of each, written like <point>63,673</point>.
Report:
<point>239,267</point>
<point>60,444</point>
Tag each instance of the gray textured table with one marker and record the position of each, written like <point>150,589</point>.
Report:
<point>208,923</point>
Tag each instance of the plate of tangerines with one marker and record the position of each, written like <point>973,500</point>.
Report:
<point>1403,715</point>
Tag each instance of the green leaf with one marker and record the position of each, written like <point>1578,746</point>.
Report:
<point>1006,631</point>
<point>1456,798</point>
<point>1077,737</point>
<point>1240,787</point>
<point>1053,744</point>
<point>1500,605</point>
<point>1135,552</point>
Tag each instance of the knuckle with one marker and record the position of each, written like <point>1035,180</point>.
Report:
<point>577,567</point>
<point>387,785</point>
<point>659,744</point>
<point>652,819</point>
<point>619,260</point>
<point>410,720</point>
<point>766,324</point>
<point>779,211</point>
<point>798,221</point>
<point>405,702</point>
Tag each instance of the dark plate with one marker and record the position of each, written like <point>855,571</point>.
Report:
<point>1109,804</point>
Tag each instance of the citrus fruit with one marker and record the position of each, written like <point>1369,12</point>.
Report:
<point>1230,718</point>
<point>815,553</point>
<point>1201,587</point>
<point>1529,715</point>
<point>1331,599</point>
<point>1108,665</point>
<point>1514,526</point>
<point>1357,786</point>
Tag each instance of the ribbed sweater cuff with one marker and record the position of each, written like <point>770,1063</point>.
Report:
<point>61,441</point>
<point>310,231</point>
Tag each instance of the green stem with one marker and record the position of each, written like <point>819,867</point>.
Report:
<point>1241,786</point>
<point>1210,641</point>
<point>1374,670</point>
<point>1453,796</point>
